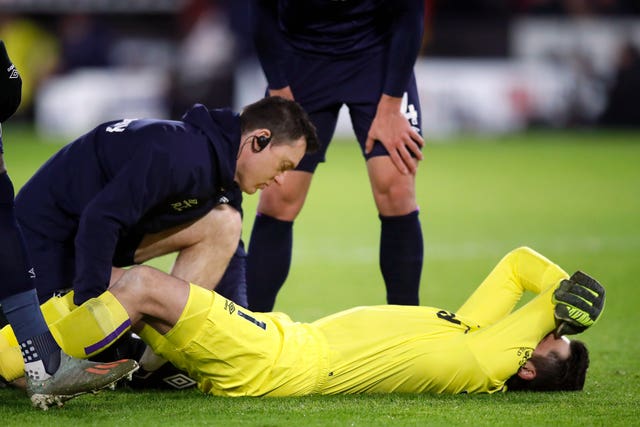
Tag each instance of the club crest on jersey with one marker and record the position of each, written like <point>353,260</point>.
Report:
<point>184,204</point>
<point>524,353</point>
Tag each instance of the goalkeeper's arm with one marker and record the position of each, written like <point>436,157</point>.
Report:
<point>579,302</point>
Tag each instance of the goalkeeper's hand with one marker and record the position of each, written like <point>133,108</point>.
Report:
<point>579,301</point>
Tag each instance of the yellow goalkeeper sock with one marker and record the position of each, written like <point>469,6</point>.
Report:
<point>11,361</point>
<point>92,327</point>
<point>55,308</point>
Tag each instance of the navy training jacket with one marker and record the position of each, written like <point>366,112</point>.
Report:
<point>130,177</point>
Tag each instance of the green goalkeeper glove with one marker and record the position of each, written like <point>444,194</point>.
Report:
<point>579,302</point>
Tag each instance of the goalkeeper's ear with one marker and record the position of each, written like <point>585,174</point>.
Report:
<point>527,371</point>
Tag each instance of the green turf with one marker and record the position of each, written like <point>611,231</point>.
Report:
<point>573,196</point>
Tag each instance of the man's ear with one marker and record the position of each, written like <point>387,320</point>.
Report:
<point>527,371</point>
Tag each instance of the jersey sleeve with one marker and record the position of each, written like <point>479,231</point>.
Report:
<point>406,39</point>
<point>269,41</point>
<point>139,185</point>
<point>522,269</point>
<point>506,340</point>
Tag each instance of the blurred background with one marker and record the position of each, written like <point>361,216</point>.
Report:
<point>486,66</point>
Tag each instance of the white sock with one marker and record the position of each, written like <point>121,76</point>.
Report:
<point>151,361</point>
<point>35,370</point>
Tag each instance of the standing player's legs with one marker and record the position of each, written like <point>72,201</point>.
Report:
<point>401,243</point>
<point>271,242</point>
<point>17,294</point>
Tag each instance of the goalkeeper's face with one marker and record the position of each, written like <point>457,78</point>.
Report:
<point>550,346</point>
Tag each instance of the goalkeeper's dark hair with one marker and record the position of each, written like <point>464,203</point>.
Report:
<point>286,120</point>
<point>554,374</point>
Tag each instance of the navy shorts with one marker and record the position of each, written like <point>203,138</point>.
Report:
<point>322,85</point>
<point>54,261</point>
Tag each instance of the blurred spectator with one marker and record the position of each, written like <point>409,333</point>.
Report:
<point>85,42</point>
<point>34,51</point>
<point>622,103</point>
<point>204,70</point>
<point>579,8</point>
<point>586,92</point>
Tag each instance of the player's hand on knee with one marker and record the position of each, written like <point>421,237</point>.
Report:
<point>579,302</point>
<point>399,138</point>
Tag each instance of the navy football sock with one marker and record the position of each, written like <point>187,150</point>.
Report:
<point>17,294</point>
<point>268,261</point>
<point>401,256</point>
<point>40,351</point>
<point>233,284</point>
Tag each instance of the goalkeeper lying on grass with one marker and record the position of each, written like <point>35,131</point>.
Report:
<point>481,347</point>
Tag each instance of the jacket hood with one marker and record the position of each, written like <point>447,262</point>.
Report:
<point>222,128</point>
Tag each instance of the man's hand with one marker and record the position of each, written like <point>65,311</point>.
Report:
<point>393,130</point>
<point>285,93</point>
<point>579,302</point>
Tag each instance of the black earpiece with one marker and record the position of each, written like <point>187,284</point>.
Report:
<point>261,143</point>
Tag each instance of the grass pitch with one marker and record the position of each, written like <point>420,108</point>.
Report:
<point>574,196</point>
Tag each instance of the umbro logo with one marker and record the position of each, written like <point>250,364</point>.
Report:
<point>229,306</point>
<point>179,381</point>
<point>13,72</point>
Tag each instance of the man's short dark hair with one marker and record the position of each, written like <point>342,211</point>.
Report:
<point>554,374</point>
<point>286,120</point>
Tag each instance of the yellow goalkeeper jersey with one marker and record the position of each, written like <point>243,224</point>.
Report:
<point>232,351</point>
